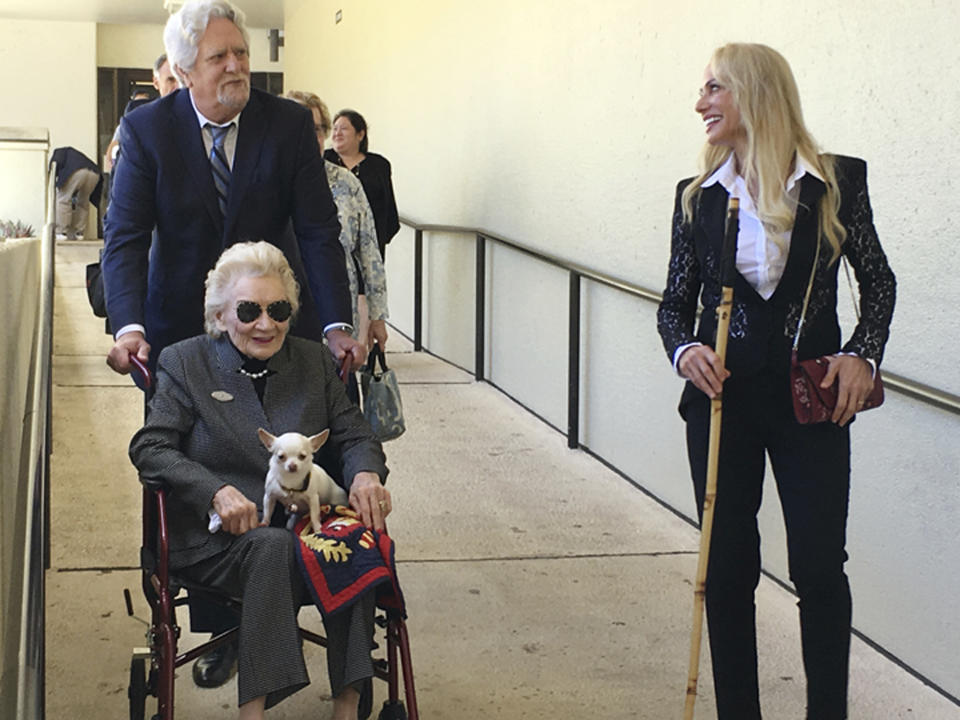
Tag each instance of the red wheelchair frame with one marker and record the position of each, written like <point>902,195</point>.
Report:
<point>161,591</point>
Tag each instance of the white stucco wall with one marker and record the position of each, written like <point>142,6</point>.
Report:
<point>48,80</point>
<point>565,126</point>
<point>138,46</point>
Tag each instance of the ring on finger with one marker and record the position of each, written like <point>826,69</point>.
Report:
<point>382,504</point>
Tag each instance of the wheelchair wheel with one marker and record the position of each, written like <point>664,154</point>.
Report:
<point>392,711</point>
<point>137,691</point>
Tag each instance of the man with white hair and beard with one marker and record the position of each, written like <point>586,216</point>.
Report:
<point>209,165</point>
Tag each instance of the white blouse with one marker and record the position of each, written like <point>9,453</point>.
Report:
<point>761,256</point>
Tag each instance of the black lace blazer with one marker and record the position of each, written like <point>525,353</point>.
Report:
<point>761,331</point>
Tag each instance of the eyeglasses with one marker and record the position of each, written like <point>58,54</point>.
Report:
<point>248,311</point>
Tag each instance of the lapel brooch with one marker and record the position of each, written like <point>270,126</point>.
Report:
<point>221,395</point>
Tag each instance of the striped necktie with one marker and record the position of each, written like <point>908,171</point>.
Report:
<point>220,166</point>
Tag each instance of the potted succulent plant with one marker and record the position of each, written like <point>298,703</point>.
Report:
<point>14,229</point>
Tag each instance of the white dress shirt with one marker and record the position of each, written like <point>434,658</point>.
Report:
<point>229,143</point>
<point>761,255</point>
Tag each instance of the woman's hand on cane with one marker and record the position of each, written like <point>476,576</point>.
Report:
<point>702,366</point>
<point>855,376</point>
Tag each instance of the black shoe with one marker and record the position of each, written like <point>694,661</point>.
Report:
<point>216,667</point>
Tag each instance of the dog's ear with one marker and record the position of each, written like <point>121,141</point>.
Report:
<point>266,438</point>
<point>317,441</point>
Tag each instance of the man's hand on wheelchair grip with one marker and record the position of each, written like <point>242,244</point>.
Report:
<point>119,356</point>
<point>236,512</point>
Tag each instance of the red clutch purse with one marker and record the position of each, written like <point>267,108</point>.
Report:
<point>814,404</point>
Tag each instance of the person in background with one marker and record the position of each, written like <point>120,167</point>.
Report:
<point>78,182</point>
<point>165,83</point>
<point>800,210</point>
<point>350,150</point>
<point>368,281</point>
<point>164,79</point>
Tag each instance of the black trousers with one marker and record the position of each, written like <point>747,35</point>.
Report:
<point>811,464</point>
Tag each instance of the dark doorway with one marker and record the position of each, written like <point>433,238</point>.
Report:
<point>271,82</point>
<point>116,87</point>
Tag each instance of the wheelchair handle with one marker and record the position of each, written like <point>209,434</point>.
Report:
<point>144,372</point>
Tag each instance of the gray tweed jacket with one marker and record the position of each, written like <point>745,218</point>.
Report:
<point>201,430</point>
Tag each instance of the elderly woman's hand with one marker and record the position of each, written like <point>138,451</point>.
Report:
<point>856,381</point>
<point>371,499</point>
<point>236,512</point>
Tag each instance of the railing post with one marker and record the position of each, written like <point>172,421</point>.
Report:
<point>418,289</point>
<point>573,367</point>
<point>481,301</point>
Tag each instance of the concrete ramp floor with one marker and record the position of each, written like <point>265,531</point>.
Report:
<point>540,584</point>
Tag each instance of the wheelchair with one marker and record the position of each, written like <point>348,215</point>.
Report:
<point>152,667</point>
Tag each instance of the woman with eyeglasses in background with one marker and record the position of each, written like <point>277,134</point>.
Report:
<point>358,235</point>
<point>350,150</point>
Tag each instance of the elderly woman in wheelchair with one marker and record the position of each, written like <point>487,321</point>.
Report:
<point>200,438</point>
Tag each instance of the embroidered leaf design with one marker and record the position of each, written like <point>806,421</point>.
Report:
<point>333,550</point>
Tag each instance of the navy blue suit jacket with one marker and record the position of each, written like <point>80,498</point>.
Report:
<point>278,193</point>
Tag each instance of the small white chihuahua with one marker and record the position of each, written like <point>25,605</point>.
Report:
<point>293,478</point>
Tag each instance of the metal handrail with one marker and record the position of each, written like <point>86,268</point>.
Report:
<point>927,394</point>
<point>554,260</point>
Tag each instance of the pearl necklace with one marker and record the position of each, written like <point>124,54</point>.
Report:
<point>254,375</point>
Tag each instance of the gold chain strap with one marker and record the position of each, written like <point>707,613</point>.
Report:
<point>806,297</point>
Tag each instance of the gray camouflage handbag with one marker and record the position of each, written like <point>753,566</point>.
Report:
<point>381,397</point>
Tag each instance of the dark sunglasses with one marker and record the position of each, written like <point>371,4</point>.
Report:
<point>248,311</point>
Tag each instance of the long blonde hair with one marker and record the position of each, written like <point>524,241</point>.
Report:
<point>765,93</point>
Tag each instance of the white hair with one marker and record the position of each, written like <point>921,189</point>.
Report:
<point>246,259</point>
<point>186,26</point>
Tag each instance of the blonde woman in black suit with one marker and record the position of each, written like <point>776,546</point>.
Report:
<point>791,198</point>
<point>200,438</point>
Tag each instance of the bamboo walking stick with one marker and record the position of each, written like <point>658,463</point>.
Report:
<point>728,264</point>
